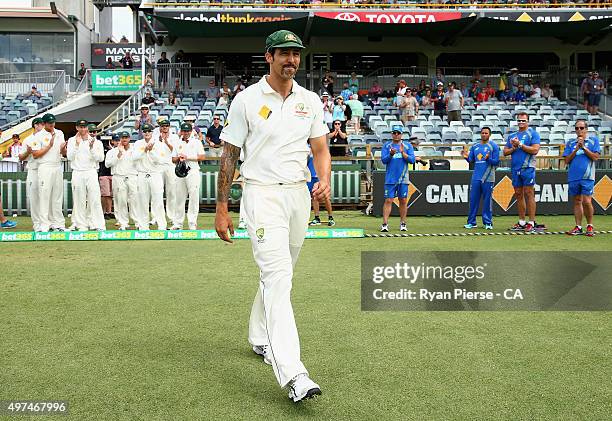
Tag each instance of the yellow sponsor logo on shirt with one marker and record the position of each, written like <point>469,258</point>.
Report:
<point>265,112</point>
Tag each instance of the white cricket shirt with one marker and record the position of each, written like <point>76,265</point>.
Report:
<point>53,157</point>
<point>147,161</point>
<point>121,166</point>
<point>273,132</point>
<point>82,157</point>
<point>191,149</point>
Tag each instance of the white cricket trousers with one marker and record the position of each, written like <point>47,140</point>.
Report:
<point>151,191</point>
<point>170,178</point>
<point>86,204</point>
<point>33,197</point>
<point>51,197</point>
<point>187,187</point>
<point>277,220</point>
<point>125,196</point>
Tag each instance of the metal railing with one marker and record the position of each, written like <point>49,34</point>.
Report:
<point>184,76</point>
<point>51,83</point>
<point>21,83</point>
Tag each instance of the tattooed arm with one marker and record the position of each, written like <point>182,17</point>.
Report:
<point>223,222</point>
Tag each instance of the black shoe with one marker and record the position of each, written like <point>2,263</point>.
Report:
<point>107,216</point>
<point>111,216</point>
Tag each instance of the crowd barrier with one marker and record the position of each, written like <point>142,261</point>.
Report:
<point>346,188</point>
<point>442,193</point>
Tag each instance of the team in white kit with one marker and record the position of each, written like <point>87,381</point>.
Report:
<point>142,172</point>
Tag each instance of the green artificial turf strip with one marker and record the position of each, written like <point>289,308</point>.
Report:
<point>158,330</point>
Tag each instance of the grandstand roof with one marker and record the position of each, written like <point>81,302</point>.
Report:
<point>569,32</point>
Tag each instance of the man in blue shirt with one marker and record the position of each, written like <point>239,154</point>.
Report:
<point>396,155</point>
<point>346,91</point>
<point>485,156</point>
<point>580,156</point>
<point>523,145</point>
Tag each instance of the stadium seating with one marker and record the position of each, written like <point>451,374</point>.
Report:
<point>16,108</point>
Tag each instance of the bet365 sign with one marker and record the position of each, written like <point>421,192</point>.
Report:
<point>115,80</point>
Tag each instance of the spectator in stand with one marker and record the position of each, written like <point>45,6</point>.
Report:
<point>482,96</point>
<point>328,83</point>
<point>82,71</point>
<point>127,62</point>
<point>172,99</point>
<point>124,40</point>
<point>513,79</point>
<point>353,83</point>
<point>596,90</point>
<point>454,103</point>
<point>33,92</point>
<point>143,118</point>
<point>426,98</point>
<point>409,107</point>
<point>439,101</point>
<point>464,90</point>
<point>489,90</point>
<point>474,91</point>
<point>584,90</point>
<point>356,112</point>
<point>438,78</point>
<point>338,110</point>
<point>246,77</point>
<point>537,91</point>
<point>328,110</point>
<point>149,82</point>
<point>547,92</point>
<point>422,87</point>
<point>528,87</point>
<point>506,95</point>
<point>148,99</point>
<point>163,68</point>
<point>109,64</point>
<point>212,92</point>
<point>477,78</point>
<point>215,144</point>
<point>15,148</point>
<point>224,100</point>
<point>374,92</point>
<point>177,87</point>
<point>239,86</point>
<point>225,90</point>
<point>338,140</point>
<point>346,91</point>
<point>520,95</point>
<point>219,71</point>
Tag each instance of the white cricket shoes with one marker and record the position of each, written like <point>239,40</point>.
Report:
<point>302,388</point>
<point>264,351</point>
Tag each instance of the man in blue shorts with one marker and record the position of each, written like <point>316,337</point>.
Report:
<point>580,156</point>
<point>396,155</point>
<point>485,156</point>
<point>523,145</point>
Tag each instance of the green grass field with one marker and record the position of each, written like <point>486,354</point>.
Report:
<point>157,330</point>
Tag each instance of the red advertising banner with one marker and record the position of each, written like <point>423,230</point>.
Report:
<point>391,17</point>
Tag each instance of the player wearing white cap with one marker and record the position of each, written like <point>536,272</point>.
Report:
<point>48,146</point>
<point>125,183</point>
<point>167,140</point>
<point>85,153</point>
<point>25,154</point>
<point>150,164</point>
<point>190,150</point>
<point>272,122</point>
